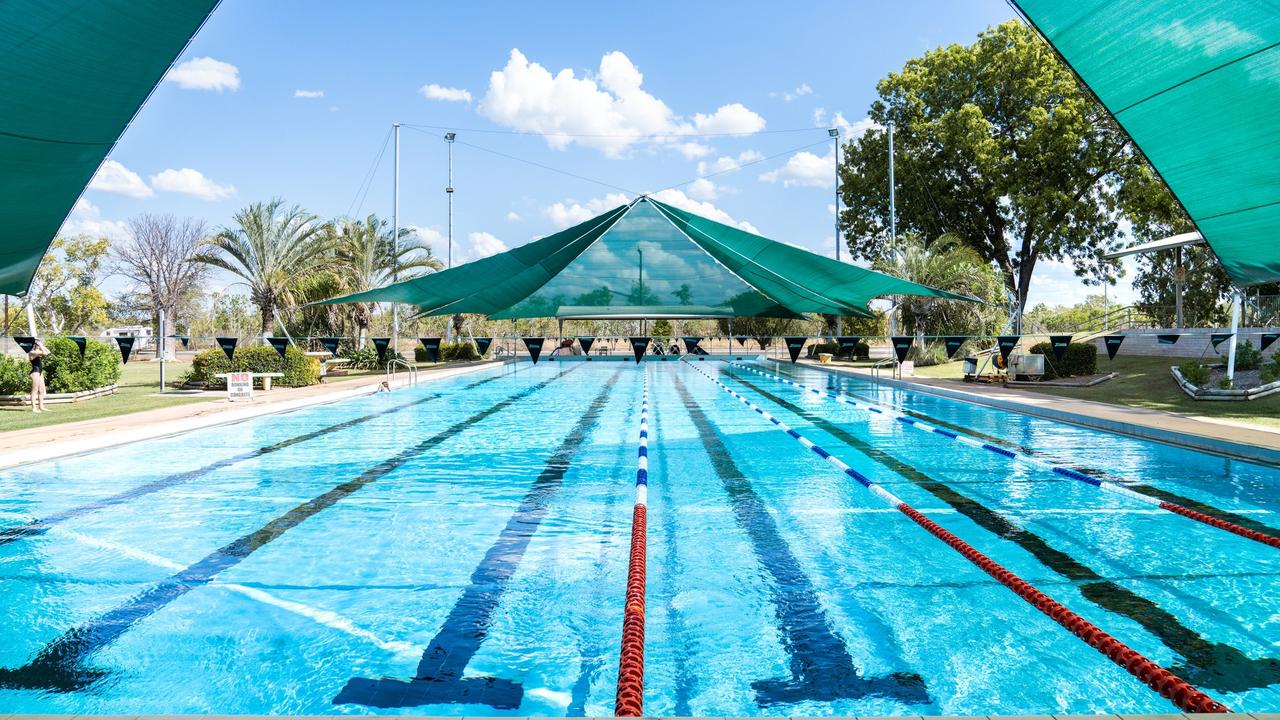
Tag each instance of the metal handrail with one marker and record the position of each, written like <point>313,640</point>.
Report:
<point>393,363</point>
<point>875,367</point>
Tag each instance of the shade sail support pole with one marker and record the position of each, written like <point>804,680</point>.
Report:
<point>835,137</point>
<point>1235,328</point>
<point>395,238</point>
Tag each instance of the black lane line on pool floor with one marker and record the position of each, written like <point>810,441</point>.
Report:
<point>1217,666</point>
<point>60,665</point>
<point>439,677</point>
<point>821,667</point>
<point>835,384</point>
<point>41,526</point>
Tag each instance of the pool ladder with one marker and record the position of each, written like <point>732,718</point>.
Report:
<point>895,371</point>
<point>391,371</point>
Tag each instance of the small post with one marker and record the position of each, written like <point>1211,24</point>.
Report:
<point>1235,327</point>
<point>162,349</point>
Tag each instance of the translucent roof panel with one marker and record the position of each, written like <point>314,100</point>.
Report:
<point>640,265</point>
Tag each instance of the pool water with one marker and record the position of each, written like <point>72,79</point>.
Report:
<point>461,548</point>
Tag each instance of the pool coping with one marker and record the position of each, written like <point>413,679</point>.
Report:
<point>1097,416</point>
<point>113,431</point>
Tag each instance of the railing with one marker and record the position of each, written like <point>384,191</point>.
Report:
<point>395,363</point>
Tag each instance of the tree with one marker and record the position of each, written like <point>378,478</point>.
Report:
<point>64,290</point>
<point>946,263</point>
<point>369,258</point>
<point>998,144</point>
<point>272,249</point>
<point>159,257</point>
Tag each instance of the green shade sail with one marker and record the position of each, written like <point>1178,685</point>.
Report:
<point>73,76</point>
<point>1197,87</point>
<point>648,259</point>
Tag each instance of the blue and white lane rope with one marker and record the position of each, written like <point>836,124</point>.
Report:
<point>630,696</point>
<point>1035,462</point>
<point>1168,685</point>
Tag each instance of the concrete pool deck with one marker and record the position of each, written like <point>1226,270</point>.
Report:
<point>1254,443</point>
<point>1103,716</point>
<point>53,441</point>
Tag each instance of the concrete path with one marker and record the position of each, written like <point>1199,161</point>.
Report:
<point>51,441</point>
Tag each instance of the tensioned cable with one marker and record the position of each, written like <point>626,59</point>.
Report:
<point>534,163</point>
<point>738,167</point>
<point>1178,691</point>
<point>622,136</point>
<point>1035,462</point>
<point>367,181</point>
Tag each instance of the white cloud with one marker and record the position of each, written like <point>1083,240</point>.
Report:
<point>86,219</point>
<point>734,119</point>
<point>309,94</point>
<point>707,210</point>
<point>728,163</point>
<point>607,110</point>
<point>805,169</point>
<point>433,91</point>
<point>802,90</point>
<point>571,212</point>
<point>513,216</point>
<point>831,208</point>
<point>191,182</point>
<point>702,189</point>
<point>692,150</point>
<point>115,178</point>
<point>205,73</point>
<point>484,244</point>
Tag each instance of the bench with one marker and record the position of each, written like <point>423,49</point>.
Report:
<point>327,367</point>
<point>266,378</point>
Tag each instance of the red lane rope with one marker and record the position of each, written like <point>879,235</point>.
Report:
<point>1170,686</point>
<point>1230,527</point>
<point>630,698</point>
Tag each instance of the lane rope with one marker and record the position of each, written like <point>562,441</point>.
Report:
<point>1170,686</point>
<point>1107,485</point>
<point>630,697</point>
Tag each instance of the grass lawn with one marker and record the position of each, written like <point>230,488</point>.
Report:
<point>1145,382</point>
<point>136,391</point>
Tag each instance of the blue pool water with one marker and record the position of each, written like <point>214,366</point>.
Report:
<point>475,531</point>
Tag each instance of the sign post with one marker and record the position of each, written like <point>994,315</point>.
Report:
<point>239,386</point>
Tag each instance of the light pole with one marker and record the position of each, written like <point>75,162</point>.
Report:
<point>395,240</point>
<point>640,285</point>
<point>834,133</point>
<point>893,231</point>
<point>448,191</point>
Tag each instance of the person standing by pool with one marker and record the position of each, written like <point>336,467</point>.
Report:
<point>36,357</point>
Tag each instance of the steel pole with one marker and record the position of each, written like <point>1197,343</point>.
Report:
<point>448,190</point>
<point>835,137</point>
<point>893,232</point>
<point>1235,328</point>
<point>395,242</point>
<point>162,349</point>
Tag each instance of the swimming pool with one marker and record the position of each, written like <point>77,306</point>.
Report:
<point>475,531</point>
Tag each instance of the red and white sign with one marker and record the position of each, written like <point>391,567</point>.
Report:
<point>239,386</point>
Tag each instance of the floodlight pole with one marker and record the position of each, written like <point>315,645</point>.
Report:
<point>162,349</point>
<point>448,191</point>
<point>395,239</point>
<point>893,230</point>
<point>835,137</point>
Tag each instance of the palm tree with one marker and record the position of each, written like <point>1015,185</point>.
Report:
<point>272,249</point>
<point>949,264</point>
<point>368,258</point>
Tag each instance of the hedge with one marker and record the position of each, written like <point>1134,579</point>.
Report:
<point>64,370</point>
<point>1080,359</point>
<point>298,368</point>
<point>861,351</point>
<point>461,351</point>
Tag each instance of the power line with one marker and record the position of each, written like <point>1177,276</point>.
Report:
<point>362,190</point>
<point>749,163</point>
<point>673,135</point>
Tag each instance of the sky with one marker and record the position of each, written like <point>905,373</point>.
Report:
<point>718,107</point>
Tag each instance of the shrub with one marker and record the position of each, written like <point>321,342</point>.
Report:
<point>1080,359</point>
<point>460,351</point>
<point>1224,384</point>
<point>1248,357</point>
<point>861,351</point>
<point>928,354</point>
<point>365,358</point>
<point>1271,371</point>
<point>64,370</point>
<point>1194,373</point>
<point>298,368</point>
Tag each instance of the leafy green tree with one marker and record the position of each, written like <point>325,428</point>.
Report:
<point>684,294</point>
<point>997,144</point>
<point>1060,318</point>
<point>64,291</point>
<point>949,264</point>
<point>368,257</point>
<point>272,248</point>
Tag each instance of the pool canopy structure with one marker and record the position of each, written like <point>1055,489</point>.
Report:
<point>1196,84</point>
<point>647,259</point>
<point>74,75</point>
